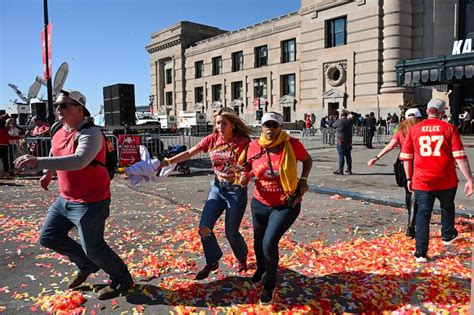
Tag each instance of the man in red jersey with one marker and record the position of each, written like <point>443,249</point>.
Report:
<point>78,156</point>
<point>429,152</point>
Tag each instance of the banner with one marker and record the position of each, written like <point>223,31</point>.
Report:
<point>129,145</point>
<point>43,52</point>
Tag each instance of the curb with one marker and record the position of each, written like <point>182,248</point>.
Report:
<point>380,201</point>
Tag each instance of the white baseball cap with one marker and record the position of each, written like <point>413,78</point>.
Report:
<point>77,97</point>
<point>412,113</point>
<point>440,105</point>
<point>272,116</point>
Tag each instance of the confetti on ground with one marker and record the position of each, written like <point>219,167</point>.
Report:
<point>351,258</point>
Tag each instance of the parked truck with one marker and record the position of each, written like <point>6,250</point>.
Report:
<point>189,122</point>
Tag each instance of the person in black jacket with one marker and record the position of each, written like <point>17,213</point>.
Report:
<point>370,126</point>
<point>344,143</point>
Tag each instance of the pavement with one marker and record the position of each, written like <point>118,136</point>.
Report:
<point>343,254</point>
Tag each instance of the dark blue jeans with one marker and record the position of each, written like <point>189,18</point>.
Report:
<point>344,151</point>
<point>93,252</point>
<point>269,225</point>
<point>425,201</point>
<point>233,199</point>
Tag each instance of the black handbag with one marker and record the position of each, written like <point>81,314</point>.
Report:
<point>399,171</point>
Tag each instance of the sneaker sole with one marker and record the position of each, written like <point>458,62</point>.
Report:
<point>451,241</point>
<point>421,259</point>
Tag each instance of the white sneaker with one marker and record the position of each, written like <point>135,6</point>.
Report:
<point>451,240</point>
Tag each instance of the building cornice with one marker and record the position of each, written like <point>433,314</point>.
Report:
<point>239,36</point>
<point>164,44</point>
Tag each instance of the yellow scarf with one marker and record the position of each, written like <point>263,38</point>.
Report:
<point>288,170</point>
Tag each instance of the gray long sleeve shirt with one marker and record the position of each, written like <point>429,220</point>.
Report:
<point>89,144</point>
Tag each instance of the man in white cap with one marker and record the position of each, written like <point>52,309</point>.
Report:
<point>85,195</point>
<point>431,147</point>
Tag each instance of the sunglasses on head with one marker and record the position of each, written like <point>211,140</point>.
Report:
<point>271,124</point>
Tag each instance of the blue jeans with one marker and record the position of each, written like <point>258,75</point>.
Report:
<point>344,150</point>
<point>224,196</point>
<point>425,200</point>
<point>93,252</point>
<point>269,225</point>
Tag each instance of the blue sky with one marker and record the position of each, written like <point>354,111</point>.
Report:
<point>103,41</point>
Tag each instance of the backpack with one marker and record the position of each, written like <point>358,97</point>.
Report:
<point>110,156</point>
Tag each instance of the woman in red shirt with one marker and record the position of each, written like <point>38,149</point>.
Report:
<point>277,194</point>
<point>226,147</point>
<point>412,117</point>
<point>4,146</point>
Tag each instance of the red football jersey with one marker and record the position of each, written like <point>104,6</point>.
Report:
<point>433,145</point>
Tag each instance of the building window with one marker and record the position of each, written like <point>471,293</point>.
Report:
<point>199,94</point>
<point>336,32</point>
<point>216,92</point>
<point>238,61</point>
<point>288,50</point>
<point>199,66</point>
<point>216,65</point>
<point>169,76</point>
<point>260,93</point>
<point>466,19</point>
<point>261,56</point>
<point>237,90</point>
<point>169,98</point>
<point>288,85</point>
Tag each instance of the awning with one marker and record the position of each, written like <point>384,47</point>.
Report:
<point>435,70</point>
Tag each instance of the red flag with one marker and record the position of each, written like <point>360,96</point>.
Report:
<point>43,52</point>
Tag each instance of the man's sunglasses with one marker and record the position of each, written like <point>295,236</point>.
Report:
<point>271,124</point>
<point>62,105</point>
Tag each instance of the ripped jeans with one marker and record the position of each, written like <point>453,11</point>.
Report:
<point>224,196</point>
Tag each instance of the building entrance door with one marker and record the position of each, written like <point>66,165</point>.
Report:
<point>287,114</point>
<point>332,106</point>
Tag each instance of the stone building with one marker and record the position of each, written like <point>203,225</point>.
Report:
<point>331,54</point>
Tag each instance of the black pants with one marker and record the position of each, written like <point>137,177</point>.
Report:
<point>411,216</point>
<point>269,225</point>
<point>4,157</point>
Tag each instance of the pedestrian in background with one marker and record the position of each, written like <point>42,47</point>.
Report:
<point>5,139</point>
<point>277,195</point>
<point>344,142</point>
<point>78,156</point>
<point>429,152</point>
<point>227,147</point>
<point>313,122</point>
<point>413,117</point>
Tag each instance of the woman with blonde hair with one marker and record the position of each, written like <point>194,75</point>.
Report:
<point>227,147</point>
<point>412,117</point>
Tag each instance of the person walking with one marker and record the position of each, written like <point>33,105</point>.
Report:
<point>370,126</point>
<point>84,202</point>
<point>324,129</point>
<point>429,152</point>
<point>226,146</point>
<point>413,117</point>
<point>344,143</point>
<point>276,202</point>
<point>466,123</point>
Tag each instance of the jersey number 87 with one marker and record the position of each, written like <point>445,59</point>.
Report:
<point>425,145</point>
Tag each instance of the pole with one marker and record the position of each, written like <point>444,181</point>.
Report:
<point>50,117</point>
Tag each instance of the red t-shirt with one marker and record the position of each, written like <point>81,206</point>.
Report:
<point>433,145</point>
<point>39,130</point>
<point>268,189</point>
<point>224,153</point>
<point>399,137</point>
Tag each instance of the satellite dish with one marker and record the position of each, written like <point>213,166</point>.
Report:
<point>34,89</point>
<point>60,78</point>
<point>40,80</point>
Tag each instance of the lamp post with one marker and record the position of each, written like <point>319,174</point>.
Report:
<point>51,118</point>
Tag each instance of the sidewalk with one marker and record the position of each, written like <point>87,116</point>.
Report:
<point>375,184</point>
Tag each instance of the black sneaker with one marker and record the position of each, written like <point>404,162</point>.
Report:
<point>79,278</point>
<point>410,232</point>
<point>420,257</point>
<point>349,172</point>
<point>338,173</point>
<point>258,275</point>
<point>110,292</point>
<point>450,241</point>
<point>268,295</point>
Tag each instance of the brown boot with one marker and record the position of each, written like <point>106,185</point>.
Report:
<point>110,292</point>
<point>79,278</point>
<point>204,273</point>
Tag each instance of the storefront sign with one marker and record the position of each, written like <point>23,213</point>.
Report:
<point>465,44</point>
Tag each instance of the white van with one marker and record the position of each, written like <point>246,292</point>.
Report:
<point>188,120</point>
<point>166,121</point>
